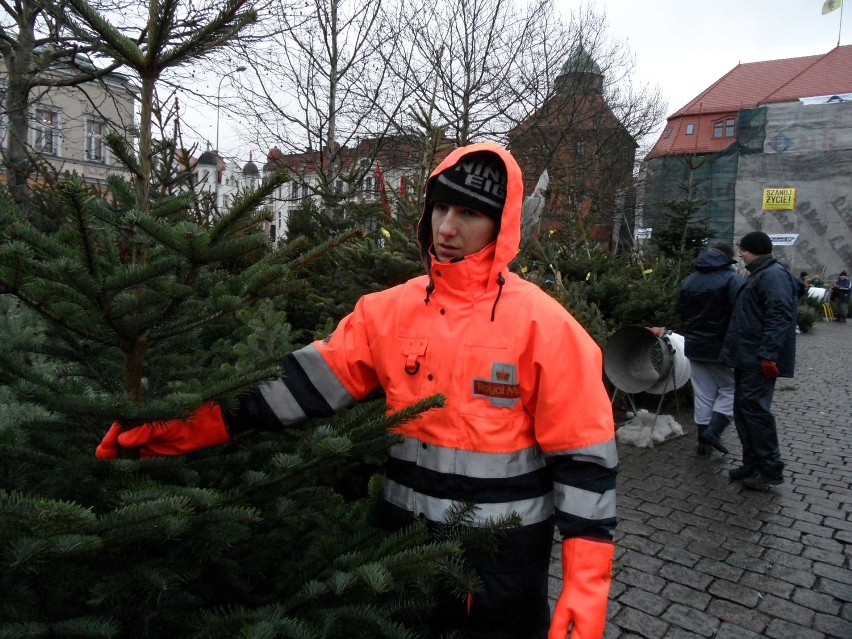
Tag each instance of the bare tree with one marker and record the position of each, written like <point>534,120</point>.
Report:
<point>334,74</point>
<point>485,56</point>
<point>558,91</point>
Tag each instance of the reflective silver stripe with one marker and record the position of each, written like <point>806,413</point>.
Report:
<point>604,454</point>
<point>584,503</point>
<point>467,463</point>
<point>323,379</point>
<point>281,401</point>
<point>531,511</point>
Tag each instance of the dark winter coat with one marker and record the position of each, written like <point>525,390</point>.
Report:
<point>840,290</point>
<point>705,302</point>
<point>763,324</point>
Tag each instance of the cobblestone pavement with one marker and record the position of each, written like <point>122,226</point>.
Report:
<point>699,556</point>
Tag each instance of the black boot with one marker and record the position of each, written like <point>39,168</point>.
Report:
<point>713,433</point>
<point>703,449</point>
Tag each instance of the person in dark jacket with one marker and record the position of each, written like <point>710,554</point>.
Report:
<point>840,297</point>
<point>761,346</point>
<point>704,304</point>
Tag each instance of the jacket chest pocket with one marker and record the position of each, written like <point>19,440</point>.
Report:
<point>414,351</point>
<point>406,372</point>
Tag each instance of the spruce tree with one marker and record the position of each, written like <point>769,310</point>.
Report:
<point>136,306</point>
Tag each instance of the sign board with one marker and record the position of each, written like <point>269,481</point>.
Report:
<point>783,239</point>
<point>642,234</point>
<point>779,199</point>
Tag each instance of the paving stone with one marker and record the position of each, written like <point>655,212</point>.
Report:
<point>731,591</point>
<point>819,602</point>
<point>789,559</point>
<point>783,545</point>
<point>720,570</point>
<point>642,562</point>
<point>824,556</point>
<point>781,629</point>
<point>644,601</point>
<point>781,531</point>
<point>691,619</point>
<point>732,613</point>
<point>785,609</point>
<point>678,556</point>
<point>643,580</point>
<point>640,544</point>
<point>767,585</point>
<point>727,631</point>
<point>685,576</point>
<point>677,593</point>
<point>640,623</point>
<point>833,626</point>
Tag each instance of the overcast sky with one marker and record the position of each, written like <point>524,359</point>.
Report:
<point>683,46</point>
<point>680,46</point>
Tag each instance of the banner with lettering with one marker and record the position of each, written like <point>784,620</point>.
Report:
<point>779,199</point>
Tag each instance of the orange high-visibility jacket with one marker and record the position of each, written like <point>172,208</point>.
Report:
<point>526,427</point>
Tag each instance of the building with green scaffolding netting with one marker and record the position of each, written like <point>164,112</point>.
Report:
<point>764,126</point>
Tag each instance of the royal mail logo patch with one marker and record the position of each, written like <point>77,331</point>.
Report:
<point>502,389</point>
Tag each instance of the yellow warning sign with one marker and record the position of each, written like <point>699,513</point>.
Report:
<point>779,199</point>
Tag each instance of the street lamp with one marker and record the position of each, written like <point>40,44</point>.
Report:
<point>218,104</point>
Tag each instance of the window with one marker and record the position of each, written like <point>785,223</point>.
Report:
<point>669,132</point>
<point>96,149</point>
<point>294,190</point>
<point>724,128</point>
<point>581,149</point>
<point>368,185</point>
<point>305,191</point>
<point>46,129</point>
<point>690,129</point>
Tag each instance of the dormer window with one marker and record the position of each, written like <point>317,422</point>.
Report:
<point>724,128</point>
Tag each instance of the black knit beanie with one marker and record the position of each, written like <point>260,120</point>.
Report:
<point>756,242</point>
<point>478,182</point>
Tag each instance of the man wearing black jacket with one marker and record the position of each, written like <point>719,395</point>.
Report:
<point>704,304</point>
<point>761,346</point>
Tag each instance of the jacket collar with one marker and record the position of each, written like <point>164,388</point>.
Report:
<point>467,277</point>
<point>759,262</point>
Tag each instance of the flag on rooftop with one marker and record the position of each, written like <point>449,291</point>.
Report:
<point>830,5</point>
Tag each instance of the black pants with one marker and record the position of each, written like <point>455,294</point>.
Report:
<point>499,611</point>
<point>755,423</point>
<point>513,602</point>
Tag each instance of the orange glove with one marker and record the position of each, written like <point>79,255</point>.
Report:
<point>769,369</point>
<point>204,427</point>
<point>586,575</point>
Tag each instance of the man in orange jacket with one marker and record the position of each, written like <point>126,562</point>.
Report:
<point>526,427</point>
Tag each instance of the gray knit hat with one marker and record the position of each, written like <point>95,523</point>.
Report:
<point>478,181</point>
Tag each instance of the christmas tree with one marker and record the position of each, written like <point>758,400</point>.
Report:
<point>138,306</point>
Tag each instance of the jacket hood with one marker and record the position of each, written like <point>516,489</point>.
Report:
<point>712,260</point>
<point>509,235</point>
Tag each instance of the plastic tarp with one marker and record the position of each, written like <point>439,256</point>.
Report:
<point>807,147</point>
